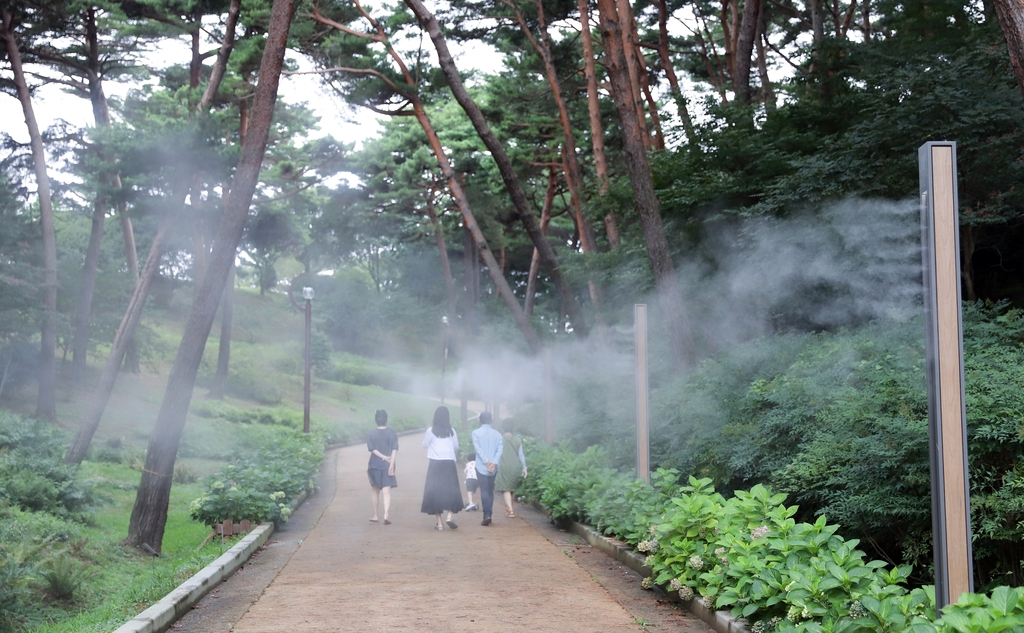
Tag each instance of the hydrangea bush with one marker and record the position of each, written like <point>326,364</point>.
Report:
<point>748,554</point>
<point>261,486</point>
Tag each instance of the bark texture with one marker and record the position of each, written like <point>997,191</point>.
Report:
<point>83,309</point>
<point>46,403</point>
<point>1011,21</point>
<point>648,208</point>
<point>227,316</point>
<point>745,49</point>
<point>149,515</point>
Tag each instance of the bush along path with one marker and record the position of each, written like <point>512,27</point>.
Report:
<point>747,554</point>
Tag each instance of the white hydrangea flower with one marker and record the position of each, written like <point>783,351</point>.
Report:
<point>696,562</point>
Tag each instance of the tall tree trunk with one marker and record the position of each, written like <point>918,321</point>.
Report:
<point>611,228</point>
<point>468,219</point>
<point>767,94</point>
<point>545,218</point>
<point>220,377</point>
<point>647,204</point>
<point>122,340</point>
<point>745,49</point>
<point>670,73</point>
<point>631,46</point>
<point>46,403</point>
<point>658,143</point>
<point>508,175</point>
<point>83,309</point>
<point>573,173</point>
<point>1011,22</point>
<point>149,515</point>
<point>221,64</point>
<point>472,261</point>
<point>131,358</point>
<point>817,33</point>
<point>227,315</point>
<point>446,269</point>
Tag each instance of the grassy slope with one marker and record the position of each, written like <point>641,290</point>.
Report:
<point>267,342</point>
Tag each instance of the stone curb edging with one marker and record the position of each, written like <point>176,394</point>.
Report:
<point>159,617</point>
<point>720,621</point>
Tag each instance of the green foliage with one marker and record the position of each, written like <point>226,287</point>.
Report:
<point>64,575</point>
<point>839,421</point>
<point>32,473</point>
<point>356,370</point>
<point>748,553</point>
<point>261,485</point>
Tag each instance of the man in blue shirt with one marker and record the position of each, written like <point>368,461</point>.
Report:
<point>487,443</point>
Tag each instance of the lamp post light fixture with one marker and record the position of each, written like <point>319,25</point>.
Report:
<point>444,357</point>
<point>307,294</point>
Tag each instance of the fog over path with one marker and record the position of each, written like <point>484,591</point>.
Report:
<point>348,574</point>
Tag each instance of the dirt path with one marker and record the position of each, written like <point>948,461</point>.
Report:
<point>333,570</point>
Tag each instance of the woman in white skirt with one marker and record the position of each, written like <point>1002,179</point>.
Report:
<point>442,492</point>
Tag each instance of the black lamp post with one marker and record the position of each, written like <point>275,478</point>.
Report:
<point>307,294</point>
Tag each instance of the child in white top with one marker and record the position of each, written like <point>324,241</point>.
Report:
<point>471,482</point>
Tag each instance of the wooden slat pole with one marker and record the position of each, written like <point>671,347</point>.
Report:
<point>643,462</point>
<point>947,416</point>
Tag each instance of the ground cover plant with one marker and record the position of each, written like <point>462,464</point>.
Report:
<point>62,567</point>
<point>747,553</point>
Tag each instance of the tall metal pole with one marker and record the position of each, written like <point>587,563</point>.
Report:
<point>947,414</point>
<point>307,293</point>
<point>643,460</point>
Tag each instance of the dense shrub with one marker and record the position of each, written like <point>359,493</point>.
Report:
<point>839,421</point>
<point>260,486</point>
<point>748,553</point>
<point>32,473</point>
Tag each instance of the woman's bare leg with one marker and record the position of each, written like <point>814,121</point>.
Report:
<point>507,495</point>
<point>375,499</point>
<point>386,492</point>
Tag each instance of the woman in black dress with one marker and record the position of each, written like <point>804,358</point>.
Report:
<point>442,492</point>
<point>383,446</point>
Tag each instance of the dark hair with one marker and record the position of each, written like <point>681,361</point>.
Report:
<point>381,417</point>
<point>471,457</point>
<point>442,426</point>
<point>485,417</point>
<point>508,425</point>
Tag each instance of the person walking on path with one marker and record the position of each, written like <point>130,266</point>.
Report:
<point>512,467</point>
<point>383,446</point>
<point>488,444</point>
<point>442,493</point>
<point>472,484</point>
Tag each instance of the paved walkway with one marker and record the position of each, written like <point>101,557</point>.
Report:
<point>330,569</point>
